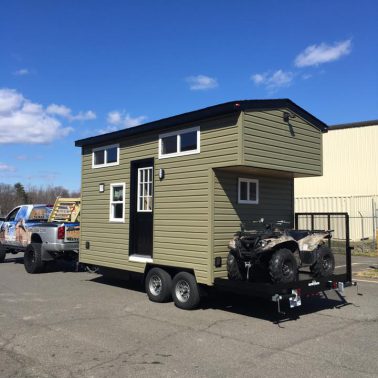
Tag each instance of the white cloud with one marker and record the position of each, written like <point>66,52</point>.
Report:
<point>318,54</point>
<point>24,157</point>
<point>201,82</point>
<point>22,72</point>
<point>65,112</point>
<point>114,118</point>
<point>22,121</point>
<point>119,120</point>
<point>6,168</point>
<point>275,80</point>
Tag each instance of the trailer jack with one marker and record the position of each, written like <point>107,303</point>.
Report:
<point>294,300</point>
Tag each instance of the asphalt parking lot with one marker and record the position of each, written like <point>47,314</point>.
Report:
<point>68,324</point>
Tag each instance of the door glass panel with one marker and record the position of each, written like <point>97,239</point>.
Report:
<point>145,189</point>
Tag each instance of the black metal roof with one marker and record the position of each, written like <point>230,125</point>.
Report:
<point>212,111</point>
<point>340,126</point>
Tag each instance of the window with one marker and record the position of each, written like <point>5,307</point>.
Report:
<point>248,191</point>
<point>105,156</point>
<point>145,189</point>
<point>183,142</point>
<point>117,202</point>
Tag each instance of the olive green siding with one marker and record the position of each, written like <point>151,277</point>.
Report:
<point>275,203</point>
<point>195,205</point>
<point>181,200</point>
<point>271,143</point>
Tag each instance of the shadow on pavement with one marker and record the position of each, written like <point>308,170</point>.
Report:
<point>244,305</point>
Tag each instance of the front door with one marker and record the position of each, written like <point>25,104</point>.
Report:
<point>141,207</point>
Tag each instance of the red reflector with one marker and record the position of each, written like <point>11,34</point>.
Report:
<point>61,232</point>
<point>299,292</point>
<point>334,285</point>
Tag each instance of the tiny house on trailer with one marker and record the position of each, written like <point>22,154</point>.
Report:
<point>164,198</point>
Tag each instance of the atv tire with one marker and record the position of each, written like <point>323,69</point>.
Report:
<point>324,265</point>
<point>233,268</point>
<point>33,258</point>
<point>283,267</point>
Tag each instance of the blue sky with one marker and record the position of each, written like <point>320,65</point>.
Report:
<point>73,69</point>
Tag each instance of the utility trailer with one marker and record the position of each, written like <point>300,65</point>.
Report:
<point>306,285</point>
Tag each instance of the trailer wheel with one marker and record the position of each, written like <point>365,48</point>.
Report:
<point>283,266</point>
<point>185,291</point>
<point>158,285</point>
<point>33,258</point>
<point>324,264</point>
<point>3,253</point>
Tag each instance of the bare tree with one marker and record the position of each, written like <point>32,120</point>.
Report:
<point>14,195</point>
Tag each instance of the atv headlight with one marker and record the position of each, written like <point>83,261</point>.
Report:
<point>263,243</point>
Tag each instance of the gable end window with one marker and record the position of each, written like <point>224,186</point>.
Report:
<point>178,143</point>
<point>105,156</point>
<point>117,202</point>
<point>248,191</point>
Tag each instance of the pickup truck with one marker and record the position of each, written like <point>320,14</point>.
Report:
<point>27,229</point>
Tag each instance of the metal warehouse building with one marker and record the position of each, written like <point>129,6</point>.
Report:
<point>350,178</point>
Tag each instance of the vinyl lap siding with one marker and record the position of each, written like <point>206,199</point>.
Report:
<point>275,203</point>
<point>271,143</point>
<point>181,216</point>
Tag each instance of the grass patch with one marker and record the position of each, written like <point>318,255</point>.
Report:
<point>368,273</point>
<point>366,254</point>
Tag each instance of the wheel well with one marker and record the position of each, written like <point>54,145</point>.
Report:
<point>172,271</point>
<point>35,238</point>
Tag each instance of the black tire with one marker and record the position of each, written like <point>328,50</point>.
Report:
<point>283,267</point>
<point>324,265</point>
<point>185,292</point>
<point>33,258</point>
<point>3,253</point>
<point>233,267</point>
<point>158,285</point>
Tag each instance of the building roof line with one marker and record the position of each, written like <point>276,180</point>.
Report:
<point>212,111</point>
<point>351,125</point>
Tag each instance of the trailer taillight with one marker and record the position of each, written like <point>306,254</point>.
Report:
<point>61,232</point>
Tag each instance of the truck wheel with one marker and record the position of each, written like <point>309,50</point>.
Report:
<point>185,291</point>
<point>283,266</point>
<point>33,258</point>
<point>158,285</point>
<point>324,264</point>
<point>3,253</point>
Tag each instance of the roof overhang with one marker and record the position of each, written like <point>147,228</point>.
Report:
<point>210,112</point>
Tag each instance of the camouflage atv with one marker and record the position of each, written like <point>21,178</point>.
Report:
<point>275,255</point>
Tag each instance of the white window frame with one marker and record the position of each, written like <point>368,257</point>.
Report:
<point>105,156</point>
<point>139,210</point>
<point>179,152</point>
<point>248,200</point>
<point>111,218</point>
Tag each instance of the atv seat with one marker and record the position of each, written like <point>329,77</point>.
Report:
<point>299,234</point>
